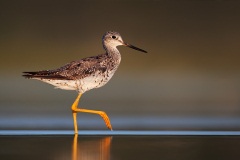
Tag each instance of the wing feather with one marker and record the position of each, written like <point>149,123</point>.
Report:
<point>73,70</point>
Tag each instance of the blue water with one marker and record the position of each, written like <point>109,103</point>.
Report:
<point>92,122</point>
<point>116,133</point>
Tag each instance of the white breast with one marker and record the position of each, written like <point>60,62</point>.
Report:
<point>93,81</point>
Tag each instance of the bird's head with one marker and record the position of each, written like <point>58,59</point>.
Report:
<point>114,39</point>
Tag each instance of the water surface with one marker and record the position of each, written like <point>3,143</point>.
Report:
<point>115,147</point>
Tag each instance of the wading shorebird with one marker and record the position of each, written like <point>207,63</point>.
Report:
<point>87,73</point>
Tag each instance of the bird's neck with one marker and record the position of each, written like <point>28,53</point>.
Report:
<point>113,52</point>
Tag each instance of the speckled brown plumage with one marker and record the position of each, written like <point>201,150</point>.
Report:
<point>78,69</point>
<point>87,73</point>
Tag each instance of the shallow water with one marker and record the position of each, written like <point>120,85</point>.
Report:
<point>116,147</point>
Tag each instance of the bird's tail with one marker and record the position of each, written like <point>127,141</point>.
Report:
<point>30,74</point>
<point>43,75</point>
<point>38,74</point>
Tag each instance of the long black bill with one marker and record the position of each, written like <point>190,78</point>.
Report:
<point>133,47</point>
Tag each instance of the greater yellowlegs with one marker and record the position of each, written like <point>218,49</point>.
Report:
<point>87,73</point>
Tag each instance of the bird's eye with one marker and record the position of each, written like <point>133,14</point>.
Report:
<point>114,37</point>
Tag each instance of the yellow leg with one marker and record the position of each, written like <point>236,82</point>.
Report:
<point>75,110</point>
<point>74,107</point>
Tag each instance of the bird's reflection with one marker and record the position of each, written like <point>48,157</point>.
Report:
<point>91,148</point>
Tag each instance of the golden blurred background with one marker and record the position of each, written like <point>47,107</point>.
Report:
<point>188,80</point>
